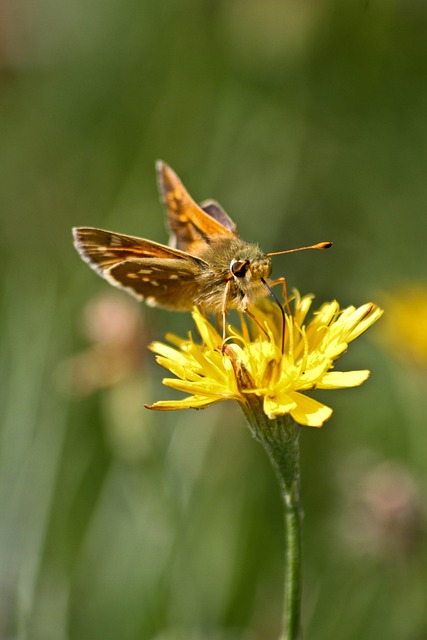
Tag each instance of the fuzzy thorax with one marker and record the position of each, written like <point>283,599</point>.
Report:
<point>238,263</point>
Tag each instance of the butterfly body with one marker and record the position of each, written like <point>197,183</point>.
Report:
<point>240,265</point>
<point>176,280</point>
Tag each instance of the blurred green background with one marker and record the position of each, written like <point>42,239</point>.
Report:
<point>307,121</point>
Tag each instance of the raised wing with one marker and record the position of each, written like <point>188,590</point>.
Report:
<point>191,228</point>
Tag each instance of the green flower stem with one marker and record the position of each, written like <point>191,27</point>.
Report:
<point>280,438</point>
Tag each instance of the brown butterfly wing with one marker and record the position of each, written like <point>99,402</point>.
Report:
<point>191,228</point>
<point>160,275</point>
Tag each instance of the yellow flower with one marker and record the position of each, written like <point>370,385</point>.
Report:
<point>252,364</point>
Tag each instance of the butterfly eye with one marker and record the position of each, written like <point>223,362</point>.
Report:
<point>239,268</point>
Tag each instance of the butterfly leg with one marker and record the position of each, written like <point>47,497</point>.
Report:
<point>224,312</point>
<point>257,322</point>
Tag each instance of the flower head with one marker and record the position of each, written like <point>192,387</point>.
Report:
<point>253,366</point>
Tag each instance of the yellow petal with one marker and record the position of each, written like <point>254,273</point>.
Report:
<point>209,335</point>
<point>168,352</point>
<point>184,372</point>
<point>278,405</point>
<point>176,340</point>
<point>343,379</point>
<point>205,388</point>
<point>210,363</point>
<point>301,306</point>
<point>192,402</point>
<point>372,315</point>
<point>310,412</point>
<point>325,314</point>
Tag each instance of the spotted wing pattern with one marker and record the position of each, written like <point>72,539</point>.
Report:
<point>160,275</point>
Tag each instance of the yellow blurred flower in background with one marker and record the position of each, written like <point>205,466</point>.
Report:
<point>404,336</point>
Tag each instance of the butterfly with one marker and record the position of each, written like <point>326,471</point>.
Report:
<point>206,263</point>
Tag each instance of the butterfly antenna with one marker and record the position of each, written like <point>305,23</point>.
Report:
<point>319,245</point>
<point>282,311</point>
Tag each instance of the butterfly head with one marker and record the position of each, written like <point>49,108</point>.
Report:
<point>247,270</point>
